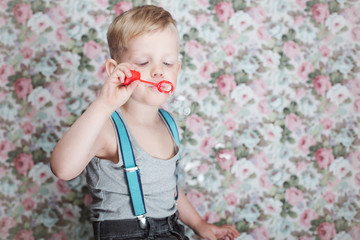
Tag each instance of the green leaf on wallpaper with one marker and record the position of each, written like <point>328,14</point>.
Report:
<point>90,68</point>
<point>336,77</point>
<point>38,80</point>
<point>341,225</point>
<point>334,7</point>
<point>38,6</point>
<point>243,226</point>
<point>292,214</point>
<point>238,5</point>
<point>339,151</point>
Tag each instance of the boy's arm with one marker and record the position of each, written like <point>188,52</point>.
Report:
<point>190,217</point>
<point>80,143</point>
<point>84,139</point>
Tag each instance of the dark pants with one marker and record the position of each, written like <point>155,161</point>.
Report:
<point>157,228</point>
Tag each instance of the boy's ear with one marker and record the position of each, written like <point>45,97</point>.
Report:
<point>179,67</point>
<point>110,65</point>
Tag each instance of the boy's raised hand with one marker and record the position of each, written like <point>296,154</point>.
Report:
<point>114,93</point>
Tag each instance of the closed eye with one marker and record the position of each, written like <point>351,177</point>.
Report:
<point>143,64</point>
<point>168,64</point>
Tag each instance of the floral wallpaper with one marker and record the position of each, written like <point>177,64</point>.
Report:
<point>268,106</point>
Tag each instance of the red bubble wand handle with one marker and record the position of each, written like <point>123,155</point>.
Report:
<point>162,86</point>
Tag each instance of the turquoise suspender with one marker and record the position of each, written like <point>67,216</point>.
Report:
<point>131,169</point>
<point>173,128</point>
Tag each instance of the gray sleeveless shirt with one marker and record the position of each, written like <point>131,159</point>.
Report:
<point>108,186</point>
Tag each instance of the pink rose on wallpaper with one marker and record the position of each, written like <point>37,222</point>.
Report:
<point>6,223</point>
<point>355,232</point>
<point>194,123</point>
<point>27,127</point>
<point>5,147</point>
<point>304,70</point>
<point>59,236</point>
<point>357,105</point>
<point>352,15</point>
<point>102,74</point>
<point>196,198</point>
<point>321,84</point>
<point>2,21</point>
<point>225,84</point>
<point>320,12</point>
<point>229,50</point>
<point>357,179</point>
<point>301,3</point>
<point>23,87</point>
<point>92,49</point>
<point>23,163</point>
<point>326,231</point>
<point>22,12</point>
<point>224,10</point>
<point>301,166</point>
<point>121,7</point>
<point>231,199</point>
<point>259,86</point>
<point>62,187</point>
<point>211,217</point>
<point>293,122</point>
<point>306,217</point>
<point>203,168</point>
<point>291,49</point>
<point>27,52</point>
<point>305,142</point>
<point>204,3</point>
<point>201,19</point>
<point>6,71</point>
<point>24,234</point>
<point>226,158</point>
<point>329,197</point>
<point>354,86</point>
<point>28,203</point>
<point>103,3</point>
<point>230,124</point>
<point>324,157</point>
<point>324,51</point>
<point>355,159</point>
<point>207,69</point>
<point>294,196</point>
<point>57,89</point>
<point>264,181</point>
<point>258,14</point>
<point>263,107</point>
<point>61,110</point>
<point>261,233</point>
<point>61,35</point>
<point>57,14</point>
<point>261,160</point>
<point>355,34</point>
<point>262,34</point>
<point>88,200</point>
<point>193,48</point>
<point>327,123</point>
<point>207,144</point>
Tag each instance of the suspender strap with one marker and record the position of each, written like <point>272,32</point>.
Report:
<point>132,171</point>
<point>174,131</point>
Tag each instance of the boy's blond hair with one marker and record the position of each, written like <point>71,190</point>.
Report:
<point>134,22</point>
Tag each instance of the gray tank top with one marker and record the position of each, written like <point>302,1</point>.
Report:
<point>108,186</point>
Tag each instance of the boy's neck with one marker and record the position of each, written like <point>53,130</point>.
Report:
<point>142,114</point>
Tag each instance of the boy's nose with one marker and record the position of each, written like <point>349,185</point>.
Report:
<point>157,74</point>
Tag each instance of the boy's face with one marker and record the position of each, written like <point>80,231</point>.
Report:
<point>155,56</point>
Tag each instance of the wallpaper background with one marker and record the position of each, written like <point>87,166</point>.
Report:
<point>268,106</point>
